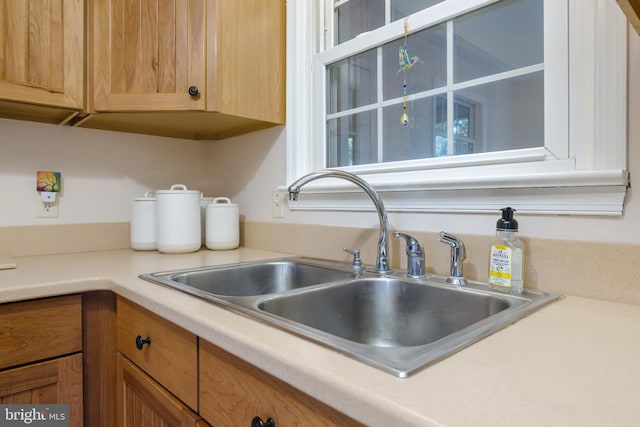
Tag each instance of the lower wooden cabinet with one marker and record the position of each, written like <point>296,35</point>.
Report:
<point>41,360</point>
<point>169,353</point>
<point>53,381</point>
<point>233,392</point>
<point>57,381</point>
<point>142,402</point>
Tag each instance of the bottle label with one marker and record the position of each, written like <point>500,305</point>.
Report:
<point>500,268</point>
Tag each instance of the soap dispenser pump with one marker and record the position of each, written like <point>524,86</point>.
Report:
<point>507,256</point>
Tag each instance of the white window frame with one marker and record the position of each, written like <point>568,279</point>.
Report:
<point>581,170</point>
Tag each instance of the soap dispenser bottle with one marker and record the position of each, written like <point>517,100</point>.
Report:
<point>507,256</point>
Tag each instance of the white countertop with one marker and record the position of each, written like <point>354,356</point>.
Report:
<point>575,362</point>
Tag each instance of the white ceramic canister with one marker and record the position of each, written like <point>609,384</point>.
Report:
<point>204,201</point>
<point>143,223</point>
<point>178,220</point>
<point>222,224</point>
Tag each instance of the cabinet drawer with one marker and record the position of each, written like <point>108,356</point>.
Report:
<point>40,329</point>
<point>171,356</point>
<point>232,392</point>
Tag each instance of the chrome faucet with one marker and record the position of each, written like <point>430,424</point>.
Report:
<point>382,257</point>
<point>415,255</point>
<point>458,254</point>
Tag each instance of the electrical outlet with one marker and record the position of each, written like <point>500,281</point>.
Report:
<point>46,210</point>
<point>277,204</point>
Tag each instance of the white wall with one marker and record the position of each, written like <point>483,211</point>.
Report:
<point>101,171</point>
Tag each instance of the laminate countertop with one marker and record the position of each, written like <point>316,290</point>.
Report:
<point>575,362</point>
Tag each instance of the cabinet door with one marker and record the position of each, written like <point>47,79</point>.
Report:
<point>57,381</point>
<point>42,52</point>
<point>233,392</point>
<point>142,402</point>
<point>147,54</point>
<point>171,356</point>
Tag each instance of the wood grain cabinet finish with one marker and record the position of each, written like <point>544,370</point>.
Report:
<point>631,8</point>
<point>41,359</point>
<point>40,329</point>
<point>198,69</point>
<point>142,402</point>
<point>171,356</point>
<point>41,56</point>
<point>147,54</point>
<point>57,381</point>
<point>233,392</point>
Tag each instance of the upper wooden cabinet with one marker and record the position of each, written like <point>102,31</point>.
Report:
<point>631,9</point>
<point>147,54</point>
<point>41,59</point>
<point>164,67</point>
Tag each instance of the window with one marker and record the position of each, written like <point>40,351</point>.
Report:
<point>488,61</point>
<point>497,111</point>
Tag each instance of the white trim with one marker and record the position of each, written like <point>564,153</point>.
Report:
<point>302,43</point>
<point>556,84</point>
<point>598,116</point>
<point>578,200</point>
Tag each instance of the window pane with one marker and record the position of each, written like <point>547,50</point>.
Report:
<point>503,115</point>
<point>418,140</point>
<point>352,140</point>
<point>357,16</point>
<point>402,8</point>
<point>501,37</point>
<point>430,46</point>
<point>352,82</point>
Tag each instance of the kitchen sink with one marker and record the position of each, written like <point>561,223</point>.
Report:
<point>250,279</point>
<point>389,321</point>
<point>387,312</point>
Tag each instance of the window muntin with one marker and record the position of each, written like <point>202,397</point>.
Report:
<point>481,72</point>
<point>353,17</point>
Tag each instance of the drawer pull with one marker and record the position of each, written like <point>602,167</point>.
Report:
<point>141,342</point>
<point>193,90</point>
<point>257,422</point>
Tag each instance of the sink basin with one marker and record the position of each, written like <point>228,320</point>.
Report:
<point>387,312</point>
<point>249,279</point>
<point>388,321</point>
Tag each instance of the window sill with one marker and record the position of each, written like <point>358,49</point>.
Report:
<point>565,193</point>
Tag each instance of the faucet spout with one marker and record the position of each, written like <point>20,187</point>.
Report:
<point>382,256</point>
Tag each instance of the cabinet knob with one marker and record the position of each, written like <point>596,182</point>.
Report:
<point>257,422</point>
<point>193,90</point>
<point>140,342</point>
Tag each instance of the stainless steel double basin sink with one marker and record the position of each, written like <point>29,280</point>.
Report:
<point>392,322</point>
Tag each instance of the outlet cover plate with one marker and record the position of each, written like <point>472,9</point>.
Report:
<point>46,210</point>
<point>277,204</point>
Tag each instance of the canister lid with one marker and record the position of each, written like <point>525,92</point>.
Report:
<point>179,189</point>
<point>148,197</point>
<point>221,202</point>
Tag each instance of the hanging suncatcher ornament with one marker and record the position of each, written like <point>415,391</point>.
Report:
<point>406,62</point>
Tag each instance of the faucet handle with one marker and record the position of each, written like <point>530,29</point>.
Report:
<point>413,246</point>
<point>415,255</point>
<point>458,255</point>
<point>357,262</point>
